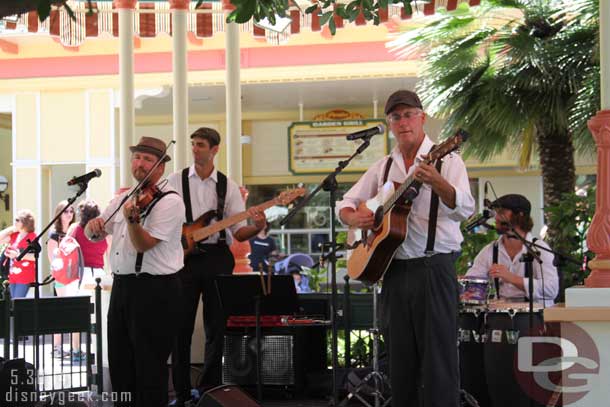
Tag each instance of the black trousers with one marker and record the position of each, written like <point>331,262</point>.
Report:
<point>198,280</point>
<point>419,302</point>
<point>142,325</point>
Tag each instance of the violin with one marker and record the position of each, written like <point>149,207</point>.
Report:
<point>142,198</point>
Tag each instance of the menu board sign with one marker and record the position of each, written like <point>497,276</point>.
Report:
<point>317,147</point>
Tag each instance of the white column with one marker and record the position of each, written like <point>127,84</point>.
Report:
<point>301,113</point>
<point>375,108</point>
<point>126,79</point>
<point>233,89</point>
<point>180,89</point>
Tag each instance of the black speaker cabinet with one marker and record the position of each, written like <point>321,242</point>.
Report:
<point>226,396</point>
<point>277,357</point>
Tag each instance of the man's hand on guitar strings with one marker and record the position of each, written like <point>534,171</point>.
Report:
<point>427,174</point>
<point>258,217</point>
<point>362,218</point>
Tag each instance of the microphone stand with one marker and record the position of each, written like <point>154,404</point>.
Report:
<point>329,184</point>
<point>35,248</point>
<point>528,258</point>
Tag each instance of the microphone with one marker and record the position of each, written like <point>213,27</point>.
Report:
<point>366,133</point>
<point>486,202</point>
<point>84,179</point>
<point>480,220</point>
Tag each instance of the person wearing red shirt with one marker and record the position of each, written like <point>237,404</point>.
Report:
<point>21,273</point>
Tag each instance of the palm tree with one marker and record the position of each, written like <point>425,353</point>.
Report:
<point>512,73</point>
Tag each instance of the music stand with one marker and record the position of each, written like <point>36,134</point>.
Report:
<point>248,294</point>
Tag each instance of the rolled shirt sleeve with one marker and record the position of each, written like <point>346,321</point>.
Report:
<point>546,279</point>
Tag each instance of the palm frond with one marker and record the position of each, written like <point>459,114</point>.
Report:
<point>586,104</point>
<point>527,146</point>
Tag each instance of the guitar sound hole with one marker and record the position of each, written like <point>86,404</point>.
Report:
<point>378,217</point>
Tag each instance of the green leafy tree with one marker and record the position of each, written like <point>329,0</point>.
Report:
<point>573,215</point>
<point>471,246</point>
<point>516,74</point>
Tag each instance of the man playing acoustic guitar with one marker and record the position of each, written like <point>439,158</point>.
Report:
<point>420,294</point>
<point>203,189</point>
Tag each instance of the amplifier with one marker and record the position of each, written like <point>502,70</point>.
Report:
<point>278,365</point>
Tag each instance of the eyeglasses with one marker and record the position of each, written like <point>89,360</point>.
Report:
<point>395,117</point>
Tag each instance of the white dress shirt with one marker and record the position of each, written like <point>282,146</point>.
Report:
<point>164,223</point>
<point>448,234</point>
<point>545,273</point>
<point>204,199</point>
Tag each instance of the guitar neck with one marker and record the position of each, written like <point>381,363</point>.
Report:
<point>226,222</point>
<point>397,194</point>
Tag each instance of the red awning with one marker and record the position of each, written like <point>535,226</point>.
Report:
<point>154,18</point>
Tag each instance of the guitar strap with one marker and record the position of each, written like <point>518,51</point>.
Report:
<point>221,193</point>
<point>140,256</point>
<point>388,164</point>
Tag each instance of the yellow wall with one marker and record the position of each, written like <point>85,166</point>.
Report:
<point>26,191</point>
<point>26,126</point>
<point>100,121</point>
<point>6,157</point>
<point>62,130</point>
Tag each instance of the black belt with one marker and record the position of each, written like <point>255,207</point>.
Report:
<point>419,260</point>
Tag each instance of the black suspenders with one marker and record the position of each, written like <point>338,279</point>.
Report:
<point>494,260</point>
<point>433,215</point>
<point>221,193</point>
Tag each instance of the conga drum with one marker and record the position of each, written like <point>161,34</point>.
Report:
<point>504,324</point>
<point>471,340</point>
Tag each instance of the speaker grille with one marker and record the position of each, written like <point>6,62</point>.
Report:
<point>239,360</point>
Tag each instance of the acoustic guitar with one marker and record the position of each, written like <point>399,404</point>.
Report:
<point>372,254</point>
<point>202,228</point>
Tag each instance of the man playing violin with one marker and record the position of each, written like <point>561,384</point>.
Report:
<point>145,257</point>
<point>419,295</point>
<point>203,189</point>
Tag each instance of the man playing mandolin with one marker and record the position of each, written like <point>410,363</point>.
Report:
<point>203,189</point>
<point>419,296</point>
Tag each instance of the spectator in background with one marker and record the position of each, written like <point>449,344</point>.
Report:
<point>262,246</point>
<point>93,252</point>
<point>301,282</point>
<point>57,232</point>
<point>21,273</point>
<point>93,260</point>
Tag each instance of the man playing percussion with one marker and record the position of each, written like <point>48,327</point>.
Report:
<point>513,216</point>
